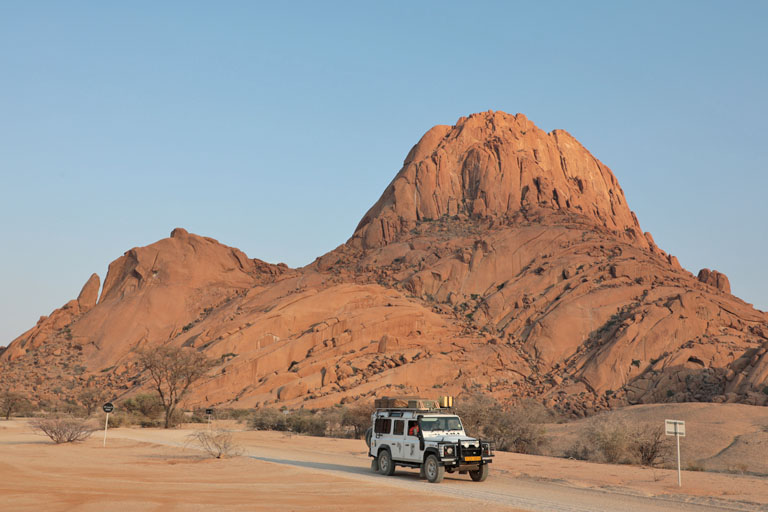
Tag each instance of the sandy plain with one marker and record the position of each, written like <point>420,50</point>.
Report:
<point>154,470</point>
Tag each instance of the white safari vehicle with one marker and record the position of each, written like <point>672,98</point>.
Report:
<point>417,433</point>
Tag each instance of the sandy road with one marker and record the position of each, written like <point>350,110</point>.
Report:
<point>346,460</point>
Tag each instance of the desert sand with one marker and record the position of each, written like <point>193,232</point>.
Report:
<point>134,475</point>
<point>150,469</point>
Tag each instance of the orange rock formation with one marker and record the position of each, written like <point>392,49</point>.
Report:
<point>500,259</point>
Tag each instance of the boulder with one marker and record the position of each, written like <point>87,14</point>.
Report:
<point>715,279</point>
<point>89,294</point>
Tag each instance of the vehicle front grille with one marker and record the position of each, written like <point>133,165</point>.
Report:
<point>469,451</point>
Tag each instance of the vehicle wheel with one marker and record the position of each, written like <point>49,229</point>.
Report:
<point>386,465</point>
<point>433,470</point>
<point>368,436</point>
<point>375,464</point>
<point>480,474</point>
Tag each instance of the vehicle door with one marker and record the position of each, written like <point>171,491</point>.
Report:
<point>411,446</point>
<point>398,438</point>
<point>382,435</point>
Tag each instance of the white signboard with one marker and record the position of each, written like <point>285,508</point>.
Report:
<point>675,427</point>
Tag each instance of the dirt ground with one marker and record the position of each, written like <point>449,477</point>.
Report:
<point>151,469</point>
<point>134,475</point>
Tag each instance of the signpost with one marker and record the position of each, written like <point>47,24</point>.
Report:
<point>108,408</point>
<point>209,412</point>
<point>676,428</point>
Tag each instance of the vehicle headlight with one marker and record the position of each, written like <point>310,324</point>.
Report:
<point>449,451</point>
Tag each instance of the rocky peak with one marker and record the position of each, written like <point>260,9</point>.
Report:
<point>715,278</point>
<point>184,259</point>
<point>89,293</point>
<point>495,165</point>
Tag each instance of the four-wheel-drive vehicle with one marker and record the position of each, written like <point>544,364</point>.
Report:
<point>417,433</point>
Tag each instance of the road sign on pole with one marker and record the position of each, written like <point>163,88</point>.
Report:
<point>209,412</point>
<point>676,428</point>
<point>108,408</point>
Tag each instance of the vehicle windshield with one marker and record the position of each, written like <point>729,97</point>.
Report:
<point>440,423</point>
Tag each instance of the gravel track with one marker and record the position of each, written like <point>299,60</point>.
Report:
<point>536,495</point>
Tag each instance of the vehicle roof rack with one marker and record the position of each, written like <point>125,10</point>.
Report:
<point>412,403</point>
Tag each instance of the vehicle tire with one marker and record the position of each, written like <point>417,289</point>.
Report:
<point>480,474</point>
<point>368,436</point>
<point>375,464</point>
<point>386,464</point>
<point>433,470</point>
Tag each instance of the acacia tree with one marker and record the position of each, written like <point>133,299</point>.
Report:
<point>11,401</point>
<point>173,370</point>
<point>359,417</point>
<point>91,399</point>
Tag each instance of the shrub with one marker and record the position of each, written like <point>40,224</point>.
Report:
<point>306,422</point>
<point>619,442</point>
<point>63,430</point>
<point>475,412</point>
<point>269,419</point>
<point>578,451</point>
<point>91,399</point>
<point>510,432</point>
<point>358,417</point>
<point>648,444</point>
<point>119,419</point>
<point>218,444</point>
<point>232,414</point>
<point>335,425</point>
<point>610,439</point>
<point>12,402</point>
<point>197,416</point>
<point>146,407</point>
<point>517,429</point>
<point>300,422</point>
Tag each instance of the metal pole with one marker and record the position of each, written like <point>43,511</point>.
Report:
<point>106,423</point>
<point>677,436</point>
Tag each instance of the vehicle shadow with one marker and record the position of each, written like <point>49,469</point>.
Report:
<point>15,443</point>
<point>408,475</point>
<point>358,470</point>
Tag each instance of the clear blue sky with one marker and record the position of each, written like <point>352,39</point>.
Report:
<point>273,128</point>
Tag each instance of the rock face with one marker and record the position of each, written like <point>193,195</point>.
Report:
<point>500,259</point>
<point>715,278</point>
<point>89,294</point>
<point>494,165</point>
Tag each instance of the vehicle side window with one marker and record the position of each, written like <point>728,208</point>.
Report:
<point>413,428</point>
<point>399,424</point>
<point>382,425</point>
